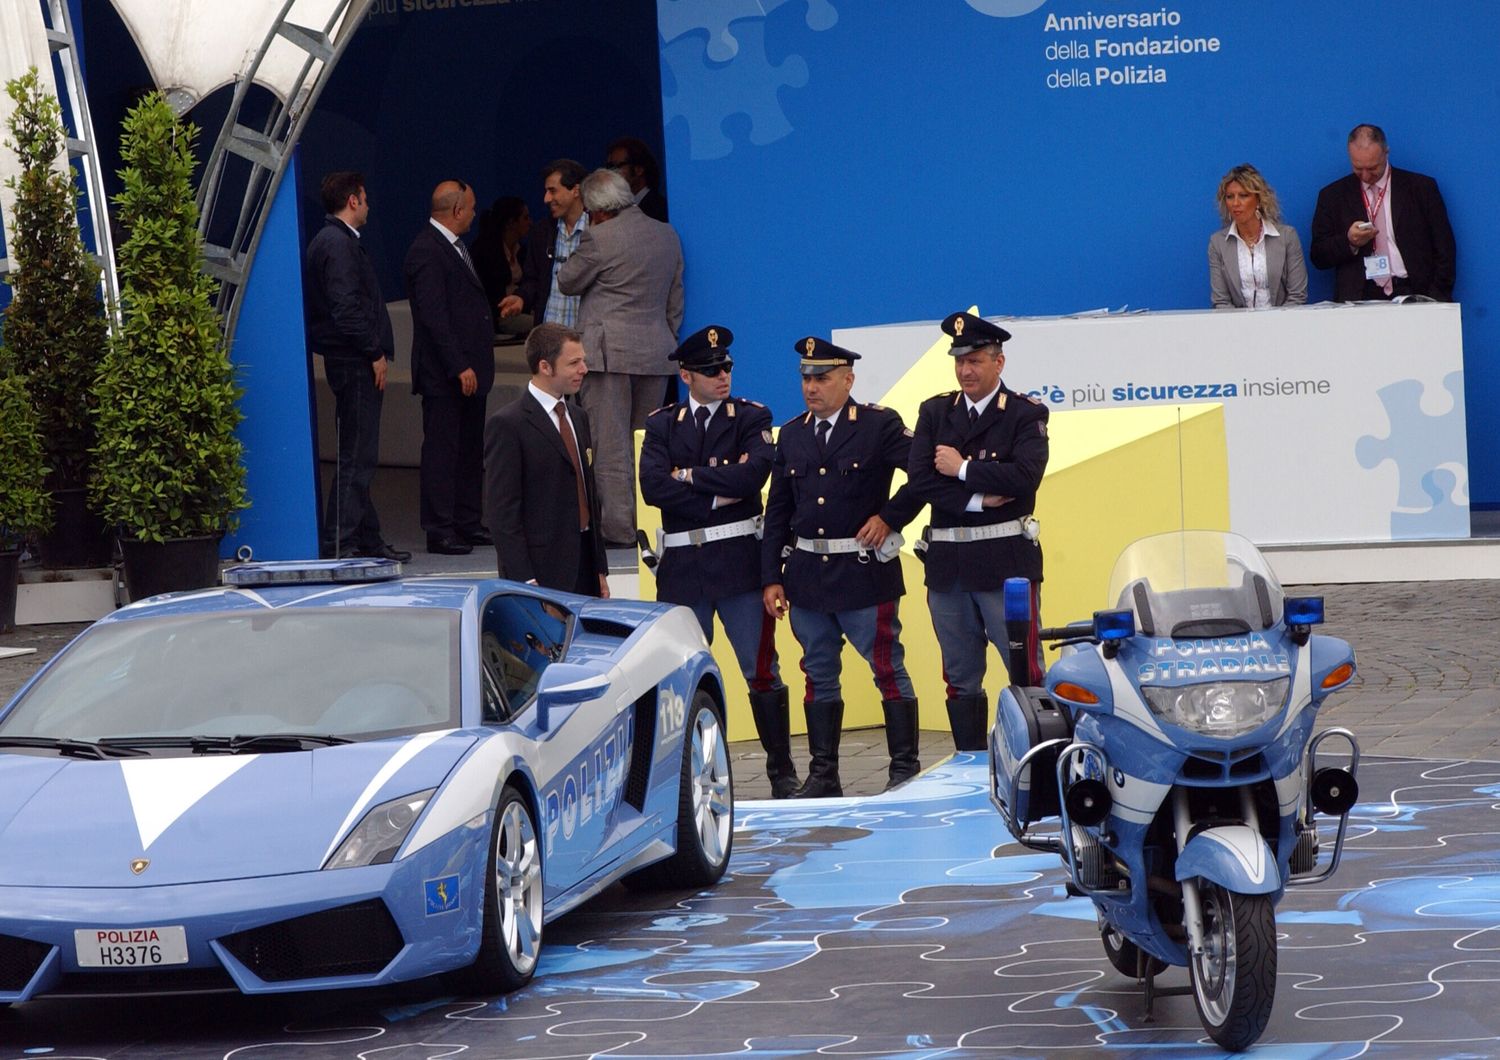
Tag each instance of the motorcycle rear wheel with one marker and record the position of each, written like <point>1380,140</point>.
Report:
<point>1234,979</point>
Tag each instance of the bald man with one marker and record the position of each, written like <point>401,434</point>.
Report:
<point>452,368</point>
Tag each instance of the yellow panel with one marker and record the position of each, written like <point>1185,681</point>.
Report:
<point>1114,475</point>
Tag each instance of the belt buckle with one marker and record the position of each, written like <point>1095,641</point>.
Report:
<point>698,536</point>
<point>963,533</point>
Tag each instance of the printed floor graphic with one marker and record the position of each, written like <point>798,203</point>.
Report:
<point>909,925</point>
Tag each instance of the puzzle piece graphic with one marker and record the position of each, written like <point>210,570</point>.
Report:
<point>723,72</point>
<point>1424,448</point>
<point>1005,8</point>
<point>675,18</point>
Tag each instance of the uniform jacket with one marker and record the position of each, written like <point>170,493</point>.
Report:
<point>628,271</point>
<point>1423,235</point>
<point>1007,454</point>
<point>831,495</point>
<point>451,324</point>
<point>346,314</point>
<point>739,429</point>
<point>531,496</point>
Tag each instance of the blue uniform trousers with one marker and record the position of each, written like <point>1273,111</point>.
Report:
<point>751,633</point>
<point>875,633</point>
<point>963,622</point>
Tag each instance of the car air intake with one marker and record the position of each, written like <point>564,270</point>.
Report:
<point>357,939</point>
<point>19,960</point>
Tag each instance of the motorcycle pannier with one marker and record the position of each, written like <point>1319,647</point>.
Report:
<point>1027,717</point>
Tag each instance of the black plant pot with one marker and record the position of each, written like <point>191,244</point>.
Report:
<point>78,537</point>
<point>153,567</point>
<point>10,576</point>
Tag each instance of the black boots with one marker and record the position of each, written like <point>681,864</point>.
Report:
<point>773,725</point>
<point>966,716</point>
<point>825,723</point>
<point>901,740</point>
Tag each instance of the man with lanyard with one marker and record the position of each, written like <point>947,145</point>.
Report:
<point>978,458</point>
<point>704,462</point>
<point>831,552</point>
<point>548,248</point>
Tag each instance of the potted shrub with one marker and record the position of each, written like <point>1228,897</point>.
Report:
<point>55,326</point>
<point>25,504</point>
<point>169,473</point>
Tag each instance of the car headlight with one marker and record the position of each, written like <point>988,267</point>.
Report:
<point>1221,708</point>
<point>380,833</point>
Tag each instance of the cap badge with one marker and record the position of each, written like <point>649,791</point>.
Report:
<point>810,345</point>
<point>958,326</point>
<point>713,338</point>
<point>138,865</point>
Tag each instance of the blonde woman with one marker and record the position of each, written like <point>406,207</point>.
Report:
<point>1255,261</point>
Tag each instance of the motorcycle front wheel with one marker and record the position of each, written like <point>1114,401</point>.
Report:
<point>1234,978</point>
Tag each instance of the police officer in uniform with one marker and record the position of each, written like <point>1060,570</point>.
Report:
<point>703,463</point>
<point>978,458</point>
<point>830,551</point>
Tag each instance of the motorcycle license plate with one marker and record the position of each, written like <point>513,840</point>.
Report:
<point>144,947</point>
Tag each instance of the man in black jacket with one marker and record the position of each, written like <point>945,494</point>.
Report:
<point>539,489</point>
<point>978,457</point>
<point>1383,231</point>
<point>452,368</point>
<point>348,324</point>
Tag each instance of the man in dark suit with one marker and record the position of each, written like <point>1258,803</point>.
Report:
<point>830,551</point>
<point>633,160</point>
<point>978,458</point>
<point>453,368</point>
<point>703,463</point>
<point>628,273</point>
<point>1384,231</point>
<point>348,325</point>
<point>549,246</point>
<point>539,480</point>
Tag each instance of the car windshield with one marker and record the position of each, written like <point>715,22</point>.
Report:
<point>353,673</point>
<point>1196,583</point>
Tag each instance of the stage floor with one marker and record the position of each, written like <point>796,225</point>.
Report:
<point>909,925</point>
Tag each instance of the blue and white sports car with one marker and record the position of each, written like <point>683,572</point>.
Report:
<point>338,783</point>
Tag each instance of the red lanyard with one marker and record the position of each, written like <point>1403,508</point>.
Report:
<point>1375,211</point>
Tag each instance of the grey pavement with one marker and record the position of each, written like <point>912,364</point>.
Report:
<point>1428,683</point>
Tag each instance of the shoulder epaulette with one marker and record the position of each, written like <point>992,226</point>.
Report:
<point>749,401</point>
<point>1033,399</point>
<point>874,407</point>
<point>664,408</point>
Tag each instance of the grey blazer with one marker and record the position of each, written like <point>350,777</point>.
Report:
<point>1285,270</point>
<point>629,271</point>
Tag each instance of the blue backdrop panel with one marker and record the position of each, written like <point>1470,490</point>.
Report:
<point>836,164</point>
<point>270,355</point>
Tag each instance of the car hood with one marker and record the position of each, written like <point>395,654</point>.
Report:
<point>84,823</point>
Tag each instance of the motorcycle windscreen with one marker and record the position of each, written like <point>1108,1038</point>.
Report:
<point>1196,583</point>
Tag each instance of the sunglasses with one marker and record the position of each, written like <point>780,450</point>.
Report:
<point>713,370</point>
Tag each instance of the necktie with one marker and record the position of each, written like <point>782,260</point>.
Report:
<point>571,445</point>
<point>824,427</point>
<point>1382,241</point>
<point>702,416</point>
<point>463,252</point>
<point>973,417</point>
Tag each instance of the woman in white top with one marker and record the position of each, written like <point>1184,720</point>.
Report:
<point>1256,261</point>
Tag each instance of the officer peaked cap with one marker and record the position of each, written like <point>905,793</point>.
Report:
<point>969,332</point>
<point>819,355</point>
<point>704,348</point>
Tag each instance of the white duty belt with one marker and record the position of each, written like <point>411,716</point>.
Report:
<point>706,534</point>
<point>889,549</point>
<point>1026,526</point>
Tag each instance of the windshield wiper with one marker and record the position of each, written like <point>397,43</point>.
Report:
<point>72,748</point>
<point>238,744</point>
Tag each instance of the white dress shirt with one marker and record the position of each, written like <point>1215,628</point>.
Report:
<point>976,501</point>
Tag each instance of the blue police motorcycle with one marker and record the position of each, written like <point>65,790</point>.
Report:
<point>1171,762</point>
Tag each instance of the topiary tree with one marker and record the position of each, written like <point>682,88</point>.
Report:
<point>54,328</point>
<point>168,462</point>
<point>25,503</point>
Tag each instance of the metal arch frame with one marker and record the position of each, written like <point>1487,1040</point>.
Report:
<point>266,151</point>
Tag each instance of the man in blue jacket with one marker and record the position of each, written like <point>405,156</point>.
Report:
<point>348,324</point>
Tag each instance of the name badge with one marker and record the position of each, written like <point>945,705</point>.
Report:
<point>1378,267</point>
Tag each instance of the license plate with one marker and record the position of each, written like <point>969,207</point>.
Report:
<point>142,947</point>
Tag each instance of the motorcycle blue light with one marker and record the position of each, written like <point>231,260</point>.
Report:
<point>1017,600</point>
<point>1303,610</point>
<point>1114,625</point>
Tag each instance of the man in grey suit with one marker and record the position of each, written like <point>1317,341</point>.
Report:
<point>628,270</point>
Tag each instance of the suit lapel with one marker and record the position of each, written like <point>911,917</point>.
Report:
<point>1275,260</point>
<point>1231,256</point>
<point>843,430</point>
<point>718,427</point>
<point>1396,190</point>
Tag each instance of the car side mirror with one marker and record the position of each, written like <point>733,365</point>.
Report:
<point>564,684</point>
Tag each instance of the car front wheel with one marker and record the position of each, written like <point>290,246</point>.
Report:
<point>512,930</point>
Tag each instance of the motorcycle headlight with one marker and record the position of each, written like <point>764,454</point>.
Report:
<point>1223,708</point>
<point>380,832</point>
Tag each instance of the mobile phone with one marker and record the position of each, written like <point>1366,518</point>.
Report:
<point>1363,224</point>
